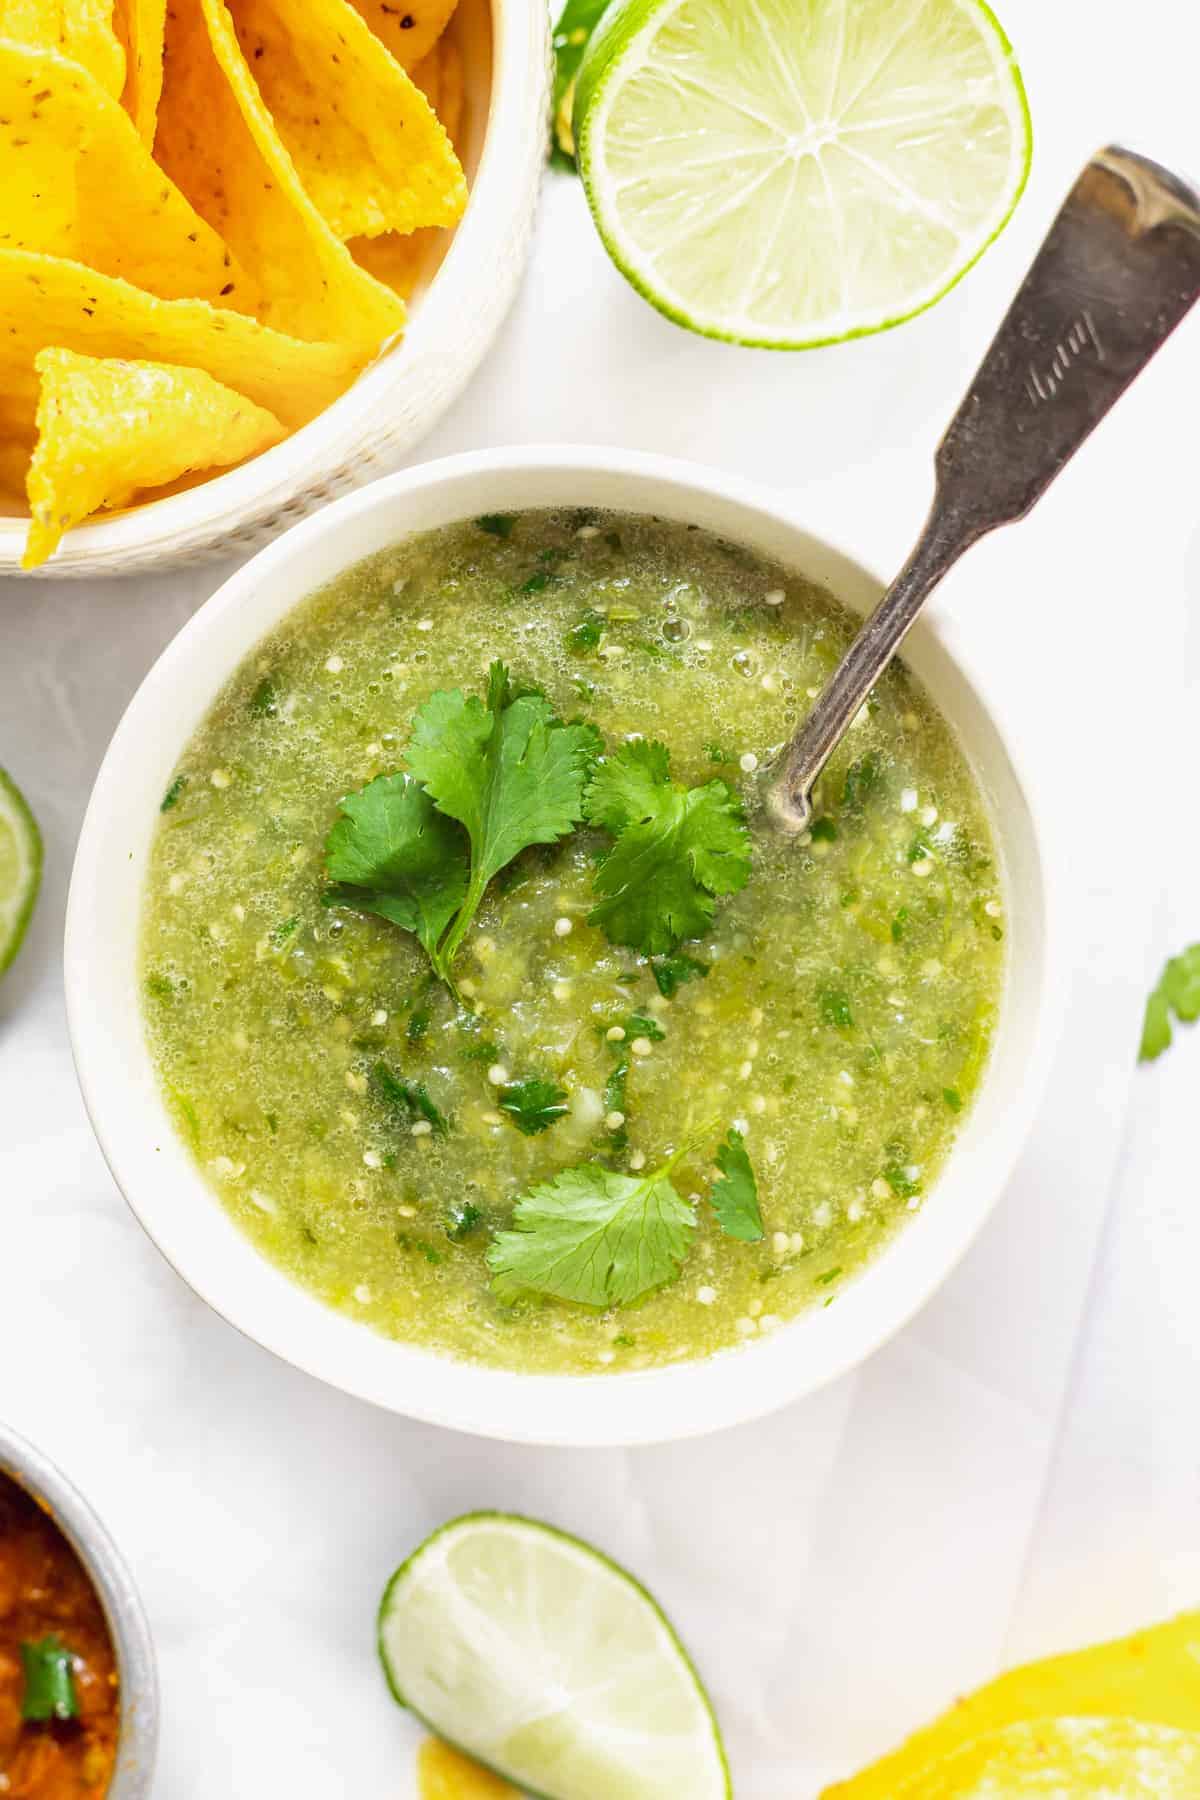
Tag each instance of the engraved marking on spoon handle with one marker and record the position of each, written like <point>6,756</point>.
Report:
<point>1118,271</point>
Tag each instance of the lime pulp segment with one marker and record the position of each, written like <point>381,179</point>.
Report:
<point>795,172</point>
<point>539,1657</point>
<point>20,868</point>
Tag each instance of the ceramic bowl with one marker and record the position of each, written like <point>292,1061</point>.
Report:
<point>122,1609</point>
<point>453,319</point>
<point>164,1186</point>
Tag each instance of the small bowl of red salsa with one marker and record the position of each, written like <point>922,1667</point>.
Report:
<point>78,1693</point>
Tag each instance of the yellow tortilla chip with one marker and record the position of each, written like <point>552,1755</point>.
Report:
<point>409,30</point>
<point>108,430</point>
<point>440,78</point>
<point>1068,1759</point>
<point>46,301</point>
<point>80,29</point>
<point>446,1774</point>
<point>1153,1676</point>
<point>141,25</point>
<point>217,142</point>
<point>367,145</point>
<point>399,261</point>
<point>78,181</point>
<point>14,466</point>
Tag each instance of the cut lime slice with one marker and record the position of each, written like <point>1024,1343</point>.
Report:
<point>795,172</point>
<point>540,1658</point>
<point>20,868</point>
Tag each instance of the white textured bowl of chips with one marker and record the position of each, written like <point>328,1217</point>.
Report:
<point>267,259</point>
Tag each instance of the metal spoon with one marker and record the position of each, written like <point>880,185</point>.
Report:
<point>1117,273</point>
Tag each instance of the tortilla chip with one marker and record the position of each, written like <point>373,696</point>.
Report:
<point>447,1774</point>
<point>79,182</point>
<point>217,142</point>
<point>1068,1759</point>
<point>367,145</point>
<point>440,78</point>
<point>80,29</point>
<point>1153,1676</point>
<point>46,301</point>
<point>409,28</point>
<point>14,466</point>
<point>107,430</point>
<point>400,261</point>
<point>141,26</point>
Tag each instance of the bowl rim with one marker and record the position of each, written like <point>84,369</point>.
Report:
<point>124,1613</point>
<point>655,1405</point>
<point>275,486</point>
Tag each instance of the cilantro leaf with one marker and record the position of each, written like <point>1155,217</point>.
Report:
<point>1178,992</point>
<point>504,769</point>
<point>392,853</point>
<point>577,21</point>
<point>626,786</point>
<point>507,769</point>
<point>408,1100</point>
<point>677,848</point>
<point>670,972</point>
<point>594,1237</point>
<point>735,1196</point>
<point>533,1105</point>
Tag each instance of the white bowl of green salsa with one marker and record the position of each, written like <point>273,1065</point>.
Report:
<point>645,1121</point>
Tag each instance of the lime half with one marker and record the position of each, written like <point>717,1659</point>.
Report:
<point>795,172</point>
<point>539,1657</point>
<point>20,868</point>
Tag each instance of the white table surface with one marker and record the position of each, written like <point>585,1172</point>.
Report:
<point>1020,1469</point>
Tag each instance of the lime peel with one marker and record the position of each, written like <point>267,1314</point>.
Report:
<point>782,174</point>
<point>20,868</point>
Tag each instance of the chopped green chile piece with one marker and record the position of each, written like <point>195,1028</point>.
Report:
<point>49,1672</point>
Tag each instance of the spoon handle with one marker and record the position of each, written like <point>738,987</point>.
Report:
<point>1117,273</point>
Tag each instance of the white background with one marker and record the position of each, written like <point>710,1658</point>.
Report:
<point>1020,1470</point>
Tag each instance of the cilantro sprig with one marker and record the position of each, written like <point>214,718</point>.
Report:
<point>677,850</point>
<point>533,1105</point>
<point>486,779</point>
<point>1178,992</point>
<point>600,1238</point>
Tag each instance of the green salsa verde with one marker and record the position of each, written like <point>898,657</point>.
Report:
<point>373,1131</point>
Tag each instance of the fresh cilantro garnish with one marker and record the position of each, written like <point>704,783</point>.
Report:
<point>862,779</point>
<point>171,797</point>
<point>49,1671</point>
<point>537,583</point>
<point>676,849</point>
<point>586,633</point>
<point>642,1025</point>
<point>594,1237</point>
<point>497,524</point>
<point>901,1183</point>
<point>409,1100</point>
<point>1178,992</point>
<point>835,1009</point>
<point>670,972</point>
<point>615,1101</point>
<point>264,701</point>
<point>533,1105</point>
<point>505,769</point>
<point>735,1196</point>
<point>392,853</point>
<point>463,1218</point>
<point>577,21</point>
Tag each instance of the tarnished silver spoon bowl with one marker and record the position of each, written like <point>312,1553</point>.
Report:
<point>1118,271</point>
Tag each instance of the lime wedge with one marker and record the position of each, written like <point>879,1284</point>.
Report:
<point>20,868</point>
<point>795,172</point>
<point>540,1658</point>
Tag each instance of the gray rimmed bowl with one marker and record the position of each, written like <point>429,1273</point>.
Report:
<point>130,1632</point>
